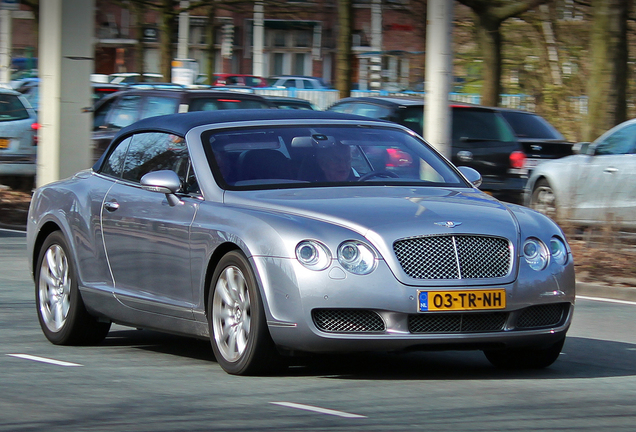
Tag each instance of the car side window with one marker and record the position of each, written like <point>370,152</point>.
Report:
<point>157,105</point>
<point>126,112</point>
<point>308,84</point>
<point>342,108</point>
<point>114,163</point>
<point>620,142</point>
<point>154,151</point>
<point>100,114</point>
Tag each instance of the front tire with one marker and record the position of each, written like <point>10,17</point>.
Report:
<point>240,339</point>
<point>61,311</point>
<point>525,358</point>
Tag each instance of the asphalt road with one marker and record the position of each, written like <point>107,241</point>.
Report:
<point>146,381</point>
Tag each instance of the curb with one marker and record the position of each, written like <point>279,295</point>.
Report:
<point>602,290</point>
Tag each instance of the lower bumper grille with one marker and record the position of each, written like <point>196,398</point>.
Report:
<point>458,323</point>
<point>348,321</point>
<point>547,315</point>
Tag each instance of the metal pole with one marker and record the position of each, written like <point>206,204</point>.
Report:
<point>439,72</point>
<point>259,36</point>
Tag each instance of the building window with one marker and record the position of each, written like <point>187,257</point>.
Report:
<point>299,64</point>
<point>302,39</point>
<point>277,64</point>
<point>279,38</point>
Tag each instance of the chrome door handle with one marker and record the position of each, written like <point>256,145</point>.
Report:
<point>610,170</point>
<point>111,206</point>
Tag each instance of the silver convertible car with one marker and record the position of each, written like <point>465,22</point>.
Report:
<point>278,232</point>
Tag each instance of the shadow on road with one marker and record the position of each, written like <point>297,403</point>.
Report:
<point>581,358</point>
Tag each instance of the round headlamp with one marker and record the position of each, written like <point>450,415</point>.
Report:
<point>313,255</point>
<point>558,250</point>
<point>356,257</point>
<point>535,253</point>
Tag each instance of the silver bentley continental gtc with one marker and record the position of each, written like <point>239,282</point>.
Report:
<point>277,232</point>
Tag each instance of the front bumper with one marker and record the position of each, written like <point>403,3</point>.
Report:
<point>333,311</point>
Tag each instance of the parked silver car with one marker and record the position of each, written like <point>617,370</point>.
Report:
<point>18,139</point>
<point>276,232</point>
<point>596,186</point>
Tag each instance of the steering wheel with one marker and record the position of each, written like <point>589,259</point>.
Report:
<point>379,173</point>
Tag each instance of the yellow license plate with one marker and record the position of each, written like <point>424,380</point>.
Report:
<point>434,301</point>
<point>4,143</point>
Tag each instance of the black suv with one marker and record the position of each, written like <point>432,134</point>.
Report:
<point>540,140</point>
<point>123,108</point>
<point>481,139</point>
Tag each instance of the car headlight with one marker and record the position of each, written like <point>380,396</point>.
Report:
<point>558,251</point>
<point>535,253</point>
<point>356,257</point>
<point>313,255</point>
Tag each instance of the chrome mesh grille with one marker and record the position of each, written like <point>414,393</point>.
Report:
<point>348,320</point>
<point>542,315</point>
<point>454,257</point>
<point>457,323</point>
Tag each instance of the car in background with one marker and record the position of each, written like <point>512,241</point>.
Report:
<point>481,139</point>
<point>283,102</point>
<point>227,79</point>
<point>18,140</point>
<point>124,108</point>
<point>220,226</point>
<point>100,90</point>
<point>540,140</point>
<point>298,81</point>
<point>125,78</point>
<point>595,187</point>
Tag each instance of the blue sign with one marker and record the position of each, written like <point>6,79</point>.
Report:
<point>423,301</point>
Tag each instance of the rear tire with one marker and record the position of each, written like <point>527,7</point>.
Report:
<point>525,358</point>
<point>61,311</point>
<point>239,335</point>
<point>544,199</point>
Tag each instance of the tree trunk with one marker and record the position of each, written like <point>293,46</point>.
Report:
<point>489,37</point>
<point>166,30</point>
<point>343,55</point>
<point>211,39</point>
<point>607,86</point>
<point>140,47</point>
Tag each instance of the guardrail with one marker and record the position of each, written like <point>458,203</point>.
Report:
<point>324,98</point>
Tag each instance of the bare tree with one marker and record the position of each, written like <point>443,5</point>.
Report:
<point>490,14</point>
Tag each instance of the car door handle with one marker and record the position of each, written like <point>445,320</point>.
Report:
<point>111,206</point>
<point>610,170</point>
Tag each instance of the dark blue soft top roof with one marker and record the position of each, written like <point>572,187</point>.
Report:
<point>180,124</point>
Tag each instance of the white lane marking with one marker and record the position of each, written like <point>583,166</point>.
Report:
<point>318,409</point>
<point>44,360</point>
<point>606,300</point>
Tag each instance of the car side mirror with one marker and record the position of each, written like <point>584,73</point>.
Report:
<point>471,174</point>
<point>163,181</point>
<point>580,148</point>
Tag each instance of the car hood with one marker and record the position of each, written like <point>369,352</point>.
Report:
<point>384,214</point>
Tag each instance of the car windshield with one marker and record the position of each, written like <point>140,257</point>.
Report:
<point>284,157</point>
<point>531,126</point>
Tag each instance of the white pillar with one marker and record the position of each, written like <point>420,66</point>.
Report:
<point>259,36</point>
<point>5,45</point>
<point>65,65</point>
<point>439,62</point>
<point>184,31</point>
